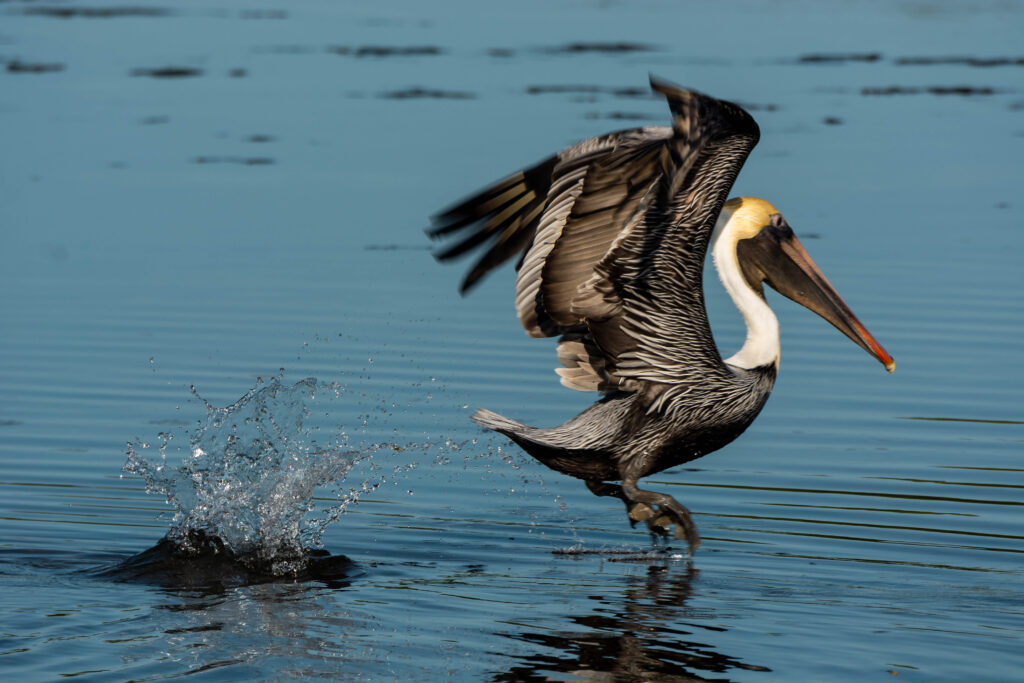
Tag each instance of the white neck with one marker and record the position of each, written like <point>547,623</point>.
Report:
<point>762,344</point>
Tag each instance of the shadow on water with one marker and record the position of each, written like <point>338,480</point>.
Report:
<point>646,632</point>
<point>96,12</point>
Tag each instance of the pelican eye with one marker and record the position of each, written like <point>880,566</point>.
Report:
<point>778,227</point>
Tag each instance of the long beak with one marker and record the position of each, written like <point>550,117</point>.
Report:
<point>795,275</point>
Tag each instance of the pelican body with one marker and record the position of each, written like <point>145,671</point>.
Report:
<point>613,233</point>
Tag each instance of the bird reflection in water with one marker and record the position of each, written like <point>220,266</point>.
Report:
<point>640,635</point>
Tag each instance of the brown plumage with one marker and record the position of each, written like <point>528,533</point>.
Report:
<point>613,233</point>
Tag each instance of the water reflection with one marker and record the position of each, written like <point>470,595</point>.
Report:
<point>280,629</point>
<point>648,632</point>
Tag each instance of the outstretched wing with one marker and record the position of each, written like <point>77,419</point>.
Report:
<point>506,214</point>
<point>614,231</point>
<point>527,212</point>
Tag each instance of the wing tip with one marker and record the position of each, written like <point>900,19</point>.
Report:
<point>680,98</point>
<point>672,90</point>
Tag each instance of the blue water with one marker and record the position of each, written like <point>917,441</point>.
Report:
<point>197,195</point>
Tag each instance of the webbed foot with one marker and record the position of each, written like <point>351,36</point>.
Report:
<point>663,514</point>
<point>666,515</point>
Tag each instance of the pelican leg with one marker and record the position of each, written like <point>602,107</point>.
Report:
<point>669,512</point>
<point>638,512</point>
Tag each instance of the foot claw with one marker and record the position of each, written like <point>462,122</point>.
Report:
<point>678,524</point>
<point>660,512</point>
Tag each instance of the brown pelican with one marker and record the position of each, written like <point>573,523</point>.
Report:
<point>613,233</point>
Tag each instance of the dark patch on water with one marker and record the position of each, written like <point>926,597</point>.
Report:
<point>285,49</point>
<point>383,22</point>
<point>418,93</point>
<point>10,423</point>
<point>832,121</point>
<point>168,72</point>
<point>58,253</point>
<point>983,62</point>
<point>616,47</point>
<point>155,120</point>
<point>244,161</point>
<point>204,562</point>
<point>386,50</point>
<point>829,90</point>
<point>590,93</point>
<point>96,12</point>
<point>238,73</point>
<point>958,90</point>
<point>17,66</point>
<point>264,14</point>
<point>501,52</point>
<point>260,138</point>
<point>621,116</point>
<point>754,106</point>
<point>397,247</point>
<point>838,57</point>
<point>576,89</point>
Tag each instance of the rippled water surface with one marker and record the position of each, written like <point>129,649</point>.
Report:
<point>226,195</point>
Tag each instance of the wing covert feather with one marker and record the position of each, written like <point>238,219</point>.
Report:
<point>613,232</point>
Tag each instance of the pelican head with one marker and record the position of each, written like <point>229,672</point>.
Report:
<point>766,251</point>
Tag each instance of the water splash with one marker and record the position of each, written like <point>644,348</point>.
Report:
<point>244,487</point>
